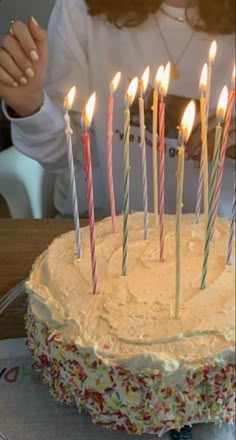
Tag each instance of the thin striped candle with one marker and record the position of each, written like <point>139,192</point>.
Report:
<point>86,122</point>
<point>68,102</point>
<point>205,84</point>
<point>179,199</point>
<point>185,131</point>
<point>220,118</point>
<point>163,93</point>
<point>229,113</point>
<point>129,100</point>
<point>232,228</point>
<point>143,87</point>
<point>203,174</point>
<point>113,86</point>
<point>158,79</point>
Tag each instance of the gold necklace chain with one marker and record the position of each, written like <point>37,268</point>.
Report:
<point>174,17</point>
<point>174,64</point>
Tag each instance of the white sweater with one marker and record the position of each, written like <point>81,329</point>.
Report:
<point>87,52</point>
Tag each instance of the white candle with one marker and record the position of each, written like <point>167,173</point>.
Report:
<point>143,87</point>
<point>68,102</point>
<point>113,86</point>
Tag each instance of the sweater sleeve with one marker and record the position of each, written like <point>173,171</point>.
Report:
<point>42,135</point>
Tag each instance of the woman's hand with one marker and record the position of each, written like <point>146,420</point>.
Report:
<point>23,65</point>
<point>194,143</point>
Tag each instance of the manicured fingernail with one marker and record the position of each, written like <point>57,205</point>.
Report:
<point>29,72</point>
<point>34,21</point>
<point>34,55</point>
<point>23,81</point>
<point>14,84</point>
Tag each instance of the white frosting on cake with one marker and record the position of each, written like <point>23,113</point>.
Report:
<point>131,321</point>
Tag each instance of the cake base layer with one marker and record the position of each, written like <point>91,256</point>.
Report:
<point>121,355</point>
<point>121,400</point>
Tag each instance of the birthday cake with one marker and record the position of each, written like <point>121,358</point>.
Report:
<point>121,355</point>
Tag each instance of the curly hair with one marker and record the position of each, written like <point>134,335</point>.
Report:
<point>213,16</point>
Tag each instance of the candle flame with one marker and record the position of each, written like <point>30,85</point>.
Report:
<point>165,80</point>
<point>187,121</point>
<point>222,104</point>
<point>159,75</point>
<point>87,115</point>
<point>132,90</point>
<point>204,78</point>
<point>115,82</point>
<point>69,99</point>
<point>212,52</point>
<point>145,79</point>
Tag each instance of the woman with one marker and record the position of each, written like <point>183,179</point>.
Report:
<point>88,43</point>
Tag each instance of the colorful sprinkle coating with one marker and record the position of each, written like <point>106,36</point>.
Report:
<point>121,400</point>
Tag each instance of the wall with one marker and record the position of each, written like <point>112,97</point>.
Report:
<point>21,9</point>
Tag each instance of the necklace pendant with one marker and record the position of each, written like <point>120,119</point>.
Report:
<point>174,72</point>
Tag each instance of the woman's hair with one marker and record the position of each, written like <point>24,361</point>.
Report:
<point>212,16</point>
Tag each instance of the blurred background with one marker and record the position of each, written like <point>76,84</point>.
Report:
<point>12,9</point>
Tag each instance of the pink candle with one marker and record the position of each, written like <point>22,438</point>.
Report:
<point>163,92</point>
<point>86,121</point>
<point>225,136</point>
<point>113,87</point>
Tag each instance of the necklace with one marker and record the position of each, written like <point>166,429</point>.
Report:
<point>174,17</point>
<point>174,64</point>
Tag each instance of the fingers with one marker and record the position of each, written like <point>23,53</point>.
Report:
<point>22,35</point>
<point>6,79</point>
<point>40,38</point>
<point>14,59</point>
<point>23,52</point>
<point>9,67</point>
<point>37,32</point>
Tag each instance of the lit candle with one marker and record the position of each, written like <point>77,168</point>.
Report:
<point>130,95</point>
<point>220,114</point>
<point>185,131</point>
<point>113,86</point>
<point>228,116</point>
<point>143,88</point>
<point>158,80</point>
<point>205,88</point>
<point>86,120</point>
<point>232,227</point>
<point>163,93</point>
<point>203,173</point>
<point>68,102</point>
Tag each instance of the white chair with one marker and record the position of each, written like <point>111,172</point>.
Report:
<point>26,187</point>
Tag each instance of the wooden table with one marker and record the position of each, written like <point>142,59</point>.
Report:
<point>21,241</point>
